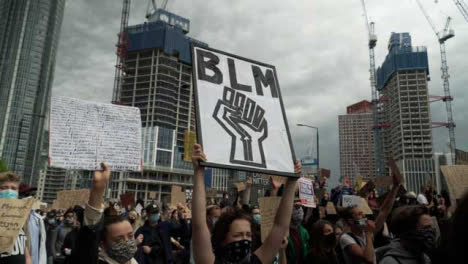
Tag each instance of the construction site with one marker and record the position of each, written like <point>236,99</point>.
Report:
<point>402,125</point>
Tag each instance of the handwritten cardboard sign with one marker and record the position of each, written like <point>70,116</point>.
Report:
<point>331,210</point>
<point>84,134</point>
<point>457,180</point>
<point>70,198</point>
<point>366,189</point>
<point>268,208</point>
<point>177,195</point>
<point>240,186</point>
<point>127,199</point>
<point>351,200</point>
<point>211,192</point>
<point>365,207</point>
<point>13,215</point>
<point>306,192</point>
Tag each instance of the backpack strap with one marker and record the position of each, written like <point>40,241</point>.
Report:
<point>355,238</point>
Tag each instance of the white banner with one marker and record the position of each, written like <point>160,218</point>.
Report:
<point>84,134</point>
<point>351,200</point>
<point>306,192</point>
<point>240,114</point>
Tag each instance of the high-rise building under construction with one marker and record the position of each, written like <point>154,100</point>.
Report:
<point>29,35</point>
<point>402,81</point>
<point>357,142</point>
<point>154,73</point>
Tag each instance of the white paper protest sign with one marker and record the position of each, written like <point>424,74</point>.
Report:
<point>83,134</point>
<point>351,200</point>
<point>306,192</point>
<point>241,119</point>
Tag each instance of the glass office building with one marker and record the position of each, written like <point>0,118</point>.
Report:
<point>29,34</point>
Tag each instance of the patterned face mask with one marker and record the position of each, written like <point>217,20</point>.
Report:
<point>122,251</point>
<point>238,252</point>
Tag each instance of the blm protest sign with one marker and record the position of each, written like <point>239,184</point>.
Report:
<point>268,208</point>
<point>13,215</point>
<point>241,119</point>
<point>351,200</point>
<point>84,134</point>
<point>306,192</point>
<point>177,195</point>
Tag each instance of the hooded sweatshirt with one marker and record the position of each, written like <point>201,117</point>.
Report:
<point>397,254</point>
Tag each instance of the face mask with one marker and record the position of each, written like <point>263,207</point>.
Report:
<point>236,252</point>
<point>52,221</point>
<point>8,194</point>
<point>69,221</point>
<point>131,220</point>
<point>297,216</point>
<point>154,218</point>
<point>122,251</point>
<point>421,239</point>
<point>257,218</point>
<point>361,223</point>
<point>330,240</point>
<point>215,219</point>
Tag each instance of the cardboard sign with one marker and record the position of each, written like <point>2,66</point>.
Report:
<point>306,192</point>
<point>84,134</point>
<point>211,192</point>
<point>177,195</point>
<point>240,186</point>
<point>127,199</point>
<point>152,195</point>
<point>365,207</point>
<point>351,200</point>
<point>13,215</point>
<point>364,191</point>
<point>268,208</point>
<point>70,198</point>
<point>331,210</point>
<point>457,180</point>
<point>190,139</point>
<point>241,119</point>
<point>383,181</point>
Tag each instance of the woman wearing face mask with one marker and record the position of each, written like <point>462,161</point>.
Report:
<point>233,231</point>
<point>415,241</point>
<point>116,243</point>
<point>322,244</point>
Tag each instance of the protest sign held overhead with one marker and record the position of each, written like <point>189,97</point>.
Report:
<point>306,192</point>
<point>268,208</point>
<point>84,134</point>
<point>351,200</point>
<point>241,119</point>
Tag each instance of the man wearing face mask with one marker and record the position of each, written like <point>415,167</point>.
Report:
<point>63,230</point>
<point>51,226</point>
<point>153,246</point>
<point>296,251</point>
<point>415,237</point>
<point>213,212</point>
<point>9,186</point>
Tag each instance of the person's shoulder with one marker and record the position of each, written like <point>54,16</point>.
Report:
<point>389,260</point>
<point>346,240</point>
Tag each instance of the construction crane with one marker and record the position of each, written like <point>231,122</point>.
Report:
<point>442,37</point>
<point>463,7</point>
<point>153,6</point>
<point>372,42</point>
<point>121,51</point>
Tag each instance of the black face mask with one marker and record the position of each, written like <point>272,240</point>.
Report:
<point>238,252</point>
<point>131,220</point>
<point>330,240</point>
<point>422,240</point>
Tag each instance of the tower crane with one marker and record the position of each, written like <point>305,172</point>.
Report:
<point>121,51</point>
<point>153,6</point>
<point>442,37</point>
<point>463,7</point>
<point>372,42</point>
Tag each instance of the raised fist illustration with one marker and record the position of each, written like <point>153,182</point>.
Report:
<point>244,120</point>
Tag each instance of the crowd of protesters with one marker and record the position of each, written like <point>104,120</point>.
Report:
<point>404,228</point>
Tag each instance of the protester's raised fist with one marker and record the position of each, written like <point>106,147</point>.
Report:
<point>244,120</point>
<point>101,178</point>
<point>198,156</point>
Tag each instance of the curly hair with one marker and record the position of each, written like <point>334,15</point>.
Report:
<point>223,225</point>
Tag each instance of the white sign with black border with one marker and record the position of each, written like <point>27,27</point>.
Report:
<point>241,121</point>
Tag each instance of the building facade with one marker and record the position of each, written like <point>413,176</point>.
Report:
<point>29,35</point>
<point>357,142</point>
<point>157,78</point>
<point>402,81</point>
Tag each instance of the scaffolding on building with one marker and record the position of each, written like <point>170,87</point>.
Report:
<point>122,41</point>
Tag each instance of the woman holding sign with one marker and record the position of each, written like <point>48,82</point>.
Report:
<point>234,246</point>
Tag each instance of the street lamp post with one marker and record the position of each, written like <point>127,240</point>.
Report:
<point>318,153</point>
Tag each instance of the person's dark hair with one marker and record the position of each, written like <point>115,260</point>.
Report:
<point>406,218</point>
<point>222,226</point>
<point>69,211</point>
<point>246,208</point>
<point>110,211</point>
<point>316,231</point>
<point>459,231</point>
<point>110,220</point>
<point>347,212</point>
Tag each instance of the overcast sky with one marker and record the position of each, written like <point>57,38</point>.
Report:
<point>318,46</point>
